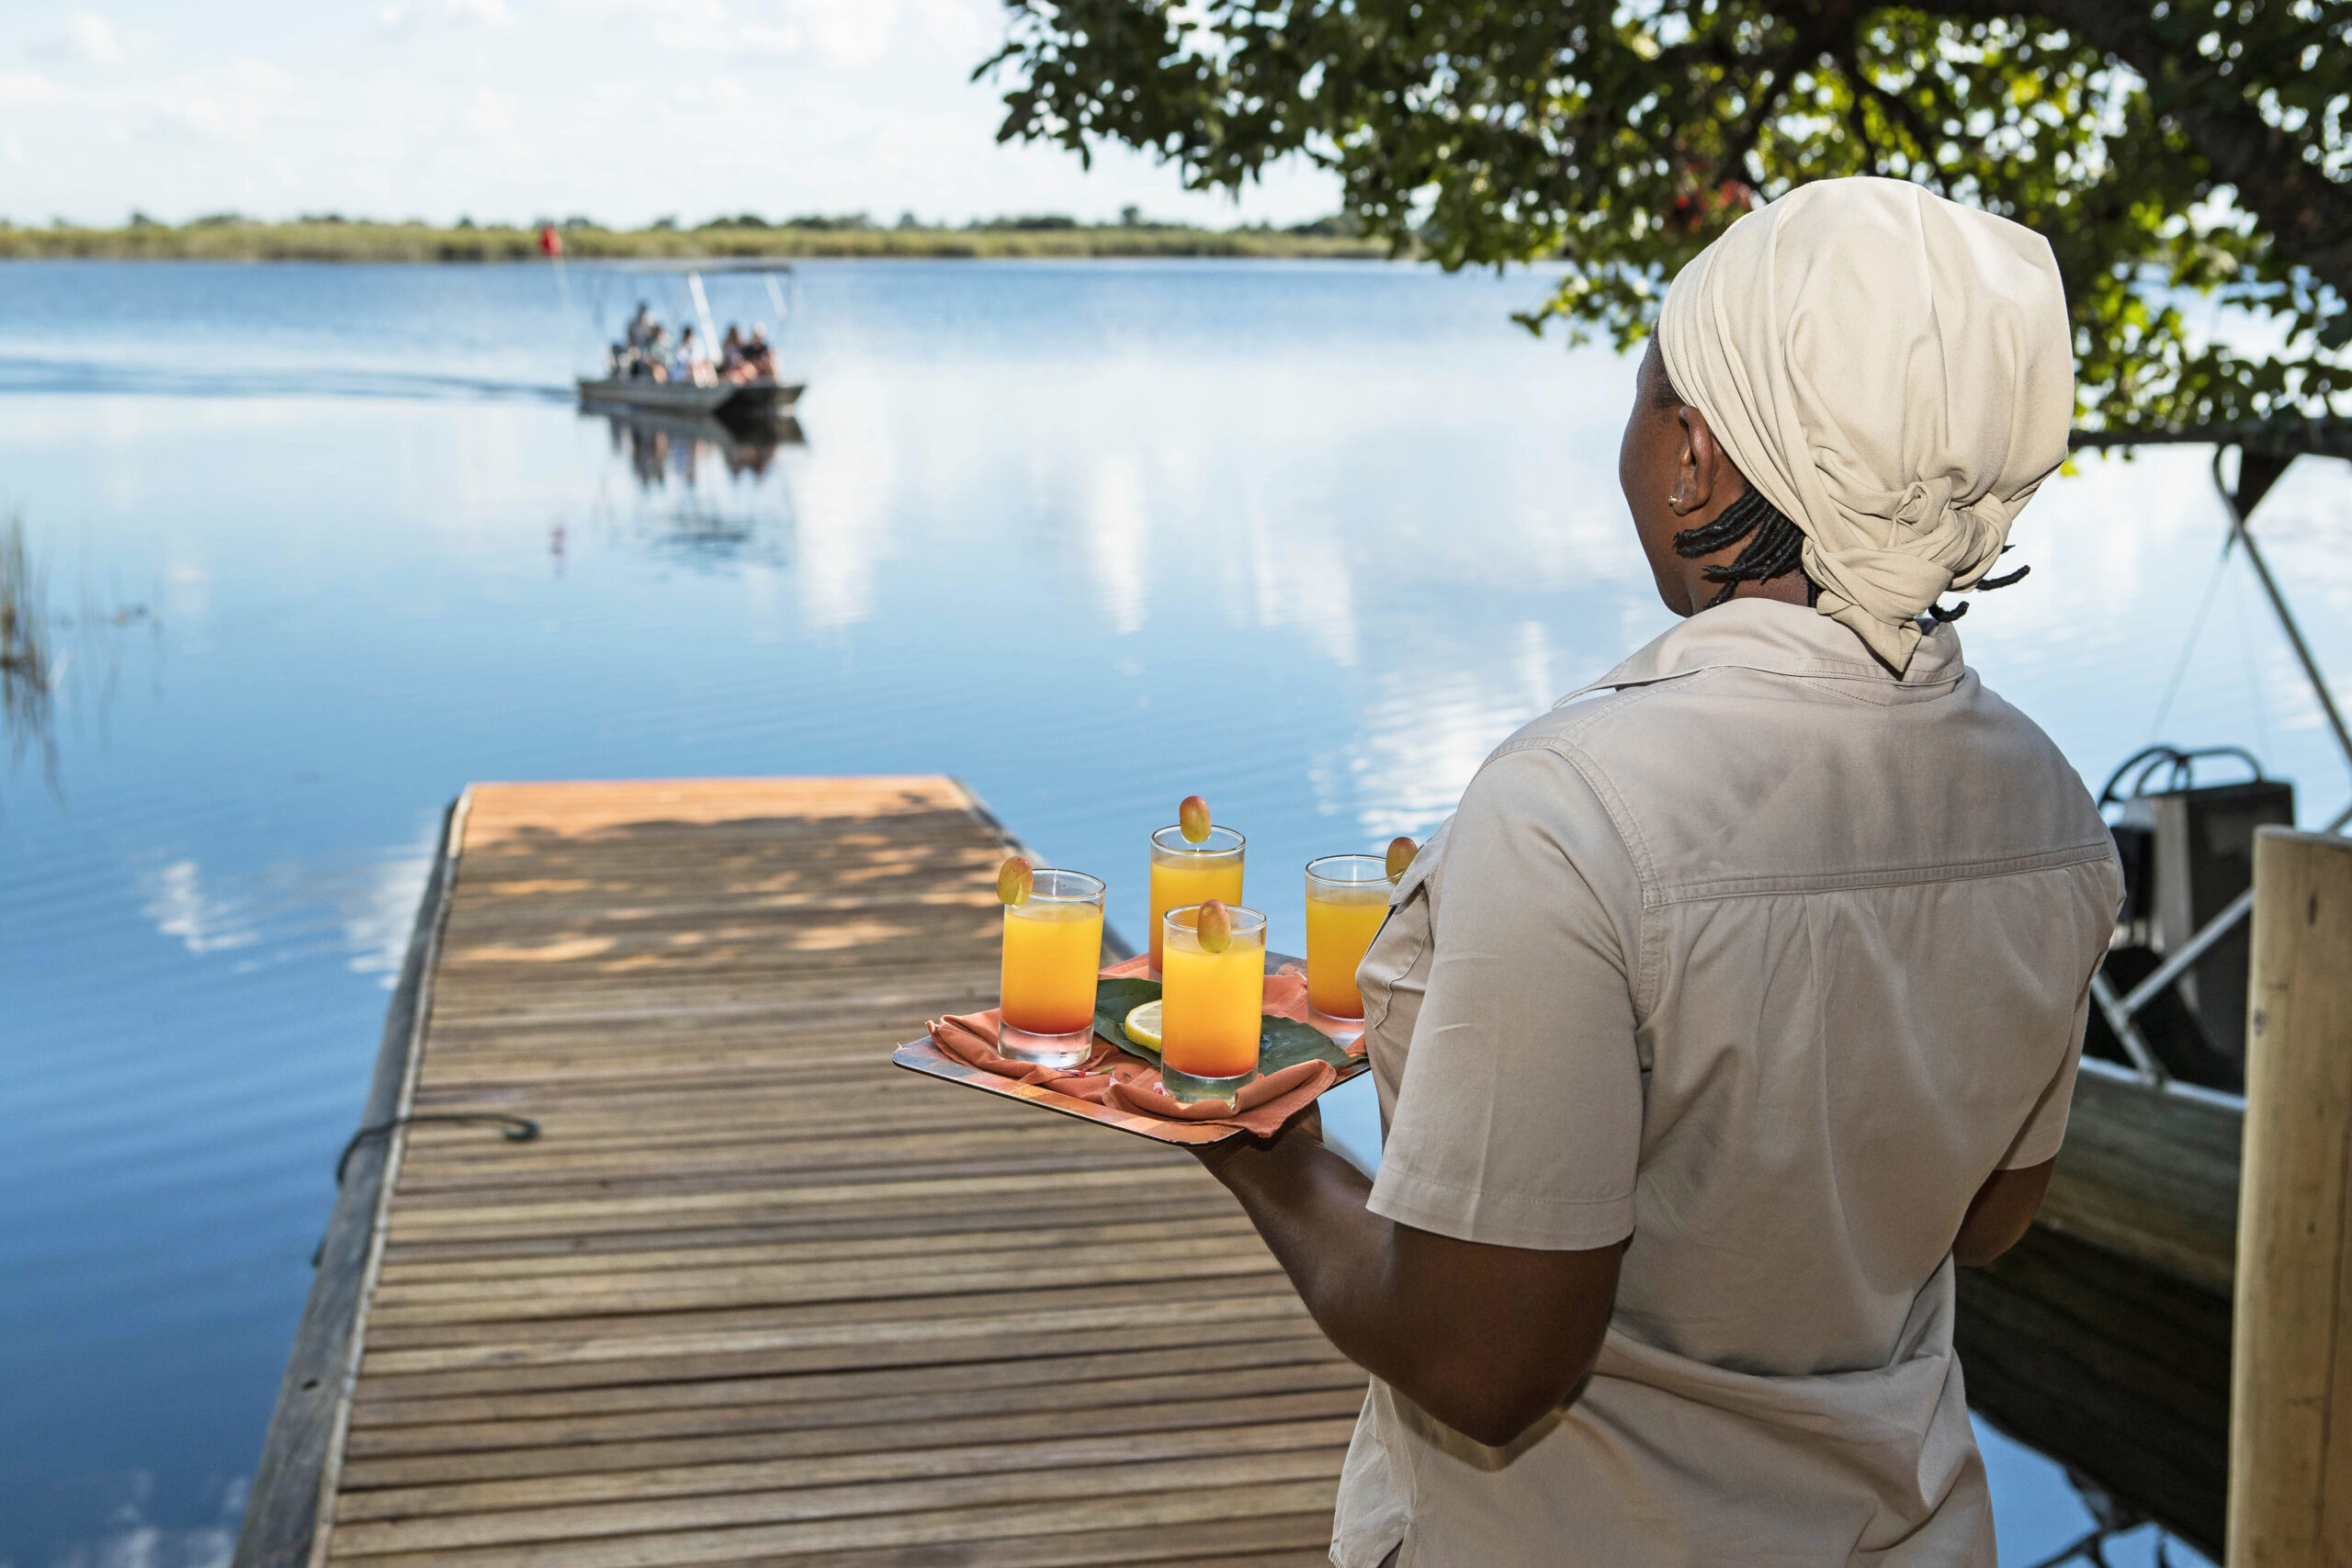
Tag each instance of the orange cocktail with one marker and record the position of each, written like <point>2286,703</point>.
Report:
<point>1053,948</point>
<point>1211,1005</point>
<point>1347,897</point>
<point>1185,873</point>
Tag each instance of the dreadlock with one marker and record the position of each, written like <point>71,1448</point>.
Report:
<point>1776,546</point>
<point>1984,585</point>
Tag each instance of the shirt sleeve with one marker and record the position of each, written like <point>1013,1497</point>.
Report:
<point>2045,1125</point>
<point>1519,1118</point>
<point>2098,892</point>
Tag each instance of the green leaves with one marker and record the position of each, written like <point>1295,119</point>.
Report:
<point>1283,1041</point>
<point>1113,999</point>
<point>2193,148</point>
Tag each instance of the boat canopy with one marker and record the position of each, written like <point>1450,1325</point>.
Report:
<point>603,271</point>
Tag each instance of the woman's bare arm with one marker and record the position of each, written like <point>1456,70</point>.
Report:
<point>1999,1213</point>
<point>1486,1339</point>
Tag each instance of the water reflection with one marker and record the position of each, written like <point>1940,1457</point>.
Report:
<point>49,659</point>
<point>660,448</point>
<point>715,493</point>
<point>130,1541</point>
<point>352,906</point>
<point>25,700</point>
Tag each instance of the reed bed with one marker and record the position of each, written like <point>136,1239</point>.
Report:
<point>337,239</point>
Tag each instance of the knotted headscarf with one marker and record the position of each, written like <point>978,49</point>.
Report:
<point>1894,371</point>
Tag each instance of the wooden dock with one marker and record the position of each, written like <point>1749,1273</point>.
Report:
<point>753,1294</point>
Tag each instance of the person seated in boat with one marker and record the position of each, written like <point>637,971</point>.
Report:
<point>641,328</point>
<point>730,356</point>
<point>1740,1000</point>
<point>653,360</point>
<point>690,363</point>
<point>759,359</point>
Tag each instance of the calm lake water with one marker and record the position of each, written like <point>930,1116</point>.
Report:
<point>320,545</point>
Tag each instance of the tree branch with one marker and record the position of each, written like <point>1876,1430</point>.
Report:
<point>2309,215</point>
<point>1764,97</point>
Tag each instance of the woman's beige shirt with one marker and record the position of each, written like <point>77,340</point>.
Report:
<point>1765,959</point>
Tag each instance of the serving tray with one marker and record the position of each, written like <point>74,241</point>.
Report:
<point>919,1055</point>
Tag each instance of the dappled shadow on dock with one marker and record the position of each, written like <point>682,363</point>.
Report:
<point>613,894</point>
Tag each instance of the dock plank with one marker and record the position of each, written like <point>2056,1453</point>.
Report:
<point>753,1294</point>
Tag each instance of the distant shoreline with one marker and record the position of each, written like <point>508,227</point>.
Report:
<point>340,240</point>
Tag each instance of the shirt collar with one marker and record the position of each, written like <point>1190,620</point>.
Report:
<point>1785,640</point>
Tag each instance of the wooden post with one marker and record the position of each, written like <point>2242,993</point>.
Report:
<point>2291,1405</point>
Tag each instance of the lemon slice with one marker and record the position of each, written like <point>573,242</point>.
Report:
<point>1142,1025</point>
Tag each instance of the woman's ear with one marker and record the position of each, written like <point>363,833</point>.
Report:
<point>1698,463</point>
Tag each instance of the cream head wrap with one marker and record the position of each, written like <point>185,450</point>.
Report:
<point>1894,371</point>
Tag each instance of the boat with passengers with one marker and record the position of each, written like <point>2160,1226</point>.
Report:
<point>738,385</point>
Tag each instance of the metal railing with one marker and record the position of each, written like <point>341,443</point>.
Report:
<point>2122,1011</point>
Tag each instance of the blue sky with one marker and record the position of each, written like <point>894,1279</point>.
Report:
<point>624,109</point>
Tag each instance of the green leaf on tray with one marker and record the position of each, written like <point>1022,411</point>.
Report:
<point>1284,1042</point>
<point>1113,999</point>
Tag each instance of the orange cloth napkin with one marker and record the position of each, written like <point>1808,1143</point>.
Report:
<point>1111,1077</point>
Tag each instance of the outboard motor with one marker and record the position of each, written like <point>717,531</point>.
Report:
<point>2188,852</point>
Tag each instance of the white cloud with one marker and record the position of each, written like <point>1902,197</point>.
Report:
<point>84,39</point>
<point>26,87</point>
<point>1117,541</point>
<point>360,906</point>
<point>130,1542</point>
<point>407,16</point>
<point>831,32</point>
<point>90,40</point>
<point>379,913</point>
<point>202,923</point>
<point>242,102</point>
<point>145,1546</point>
<point>1425,733</point>
<point>521,108</point>
<point>1299,571</point>
<point>842,524</point>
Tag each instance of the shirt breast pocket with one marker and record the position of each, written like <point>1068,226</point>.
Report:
<point>1394,970</point>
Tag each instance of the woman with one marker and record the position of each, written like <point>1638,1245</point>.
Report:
<point>692,364</point>
<point>1741,999</point>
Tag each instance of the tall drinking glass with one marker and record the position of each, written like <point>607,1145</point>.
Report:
<point>1185,873</point>
<point>1347,897</point>
<point>1053,948</point>
<point>1210,1006</point>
